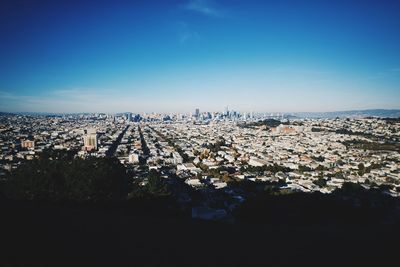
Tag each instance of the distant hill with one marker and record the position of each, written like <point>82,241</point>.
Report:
<point>6,113</point>
<point>382,113</point>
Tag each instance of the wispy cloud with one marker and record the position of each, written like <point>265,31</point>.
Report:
<point>204,7</point>
<point>186,34</point>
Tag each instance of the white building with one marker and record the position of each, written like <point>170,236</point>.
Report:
<point>133,158</point>
<point>90,141</point>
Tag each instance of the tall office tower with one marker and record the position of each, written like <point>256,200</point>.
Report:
<point>90,140</point>
<point>197,113</point>
<point>128,116</point>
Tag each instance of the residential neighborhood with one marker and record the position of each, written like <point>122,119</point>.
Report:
<point>209,153</point>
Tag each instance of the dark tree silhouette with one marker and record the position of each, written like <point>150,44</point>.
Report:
<point>80,180</point>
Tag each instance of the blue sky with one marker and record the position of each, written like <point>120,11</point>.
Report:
<point>172,56</point>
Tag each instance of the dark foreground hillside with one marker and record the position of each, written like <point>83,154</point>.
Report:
<point>35,234</point>
<point>74,212</point>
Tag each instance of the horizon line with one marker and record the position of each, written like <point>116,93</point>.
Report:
<point>219,111</point>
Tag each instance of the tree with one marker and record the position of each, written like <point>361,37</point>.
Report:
<point>156,186</point>
<point>349,187</point>
<point>321,182</point>
<point>320,168</point>
<point>361,169</point>
<point>303,168</point>
<point>199,176</point>
<point>339,162</point>
<point>319,158</point>
<point>77,180</point>
<point>226,178</point>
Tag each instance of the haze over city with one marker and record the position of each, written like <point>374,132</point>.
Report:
<point>174,56</point>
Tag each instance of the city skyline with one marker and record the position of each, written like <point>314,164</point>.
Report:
<point>175,56</point>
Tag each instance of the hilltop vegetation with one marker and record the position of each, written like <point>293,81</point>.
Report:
<point>67,179</point>
<point>59,178</point>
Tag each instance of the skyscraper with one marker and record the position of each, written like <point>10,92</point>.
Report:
<point>90,140</point>
<point>197,113</point>
<point>128,116</point>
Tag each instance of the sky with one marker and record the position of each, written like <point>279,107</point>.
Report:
<point>175,56</point>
